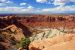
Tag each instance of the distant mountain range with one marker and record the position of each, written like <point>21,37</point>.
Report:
<point>36,14</point>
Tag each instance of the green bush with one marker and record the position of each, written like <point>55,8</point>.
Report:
<point>25,42</point>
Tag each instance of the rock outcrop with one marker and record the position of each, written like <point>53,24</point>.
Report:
<point>13,31</point>
<point>45,33</point>
<point>57,42</point>
<point>70,45</point>
<point>9,36</point>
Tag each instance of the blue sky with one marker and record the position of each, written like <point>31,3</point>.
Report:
<point>37,6</point>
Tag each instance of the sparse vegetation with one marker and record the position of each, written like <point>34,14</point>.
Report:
<point>25,43</point>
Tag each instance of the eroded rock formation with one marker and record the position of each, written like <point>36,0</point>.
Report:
<point>56,42</point>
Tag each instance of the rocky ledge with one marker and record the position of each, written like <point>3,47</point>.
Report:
<point>61,42</point>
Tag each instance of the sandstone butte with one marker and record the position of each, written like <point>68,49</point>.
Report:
<point>61,42</point>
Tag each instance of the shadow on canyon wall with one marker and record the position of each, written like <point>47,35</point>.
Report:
<point>24,28</point>
<point>2,47</point>
<point>6,22</point>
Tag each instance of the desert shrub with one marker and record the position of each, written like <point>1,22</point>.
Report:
<point>25,42</point>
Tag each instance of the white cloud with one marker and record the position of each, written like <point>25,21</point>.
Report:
<point>60,2</point>
<point>41,1</point>
<point>21,4</point>
<point>29,9</point>
<point>56,2</point>
<point>3,0</point>
<point>60,9</point>
<point>8,2</point>
<point>72,0</point>
<point>10,9</point>
<point>2,4</point>
<point>34,10</point>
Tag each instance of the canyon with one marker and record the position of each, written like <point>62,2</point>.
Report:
<point>39,28</point>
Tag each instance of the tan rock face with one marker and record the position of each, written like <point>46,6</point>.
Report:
<point>56,42</point>
<point>70,45</point>
<point>18,33</point>
<point>14,31</point>
<point>13,28</point>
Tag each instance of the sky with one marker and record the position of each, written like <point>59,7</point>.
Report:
<point>37,6</point>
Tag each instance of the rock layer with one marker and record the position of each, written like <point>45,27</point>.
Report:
<point>56,42</point>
